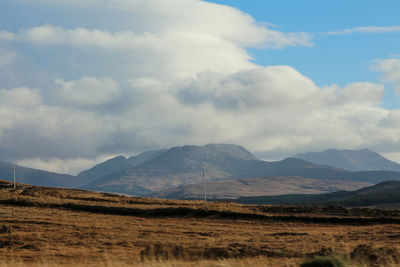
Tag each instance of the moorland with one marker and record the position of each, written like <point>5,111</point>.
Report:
<point>44,226</point>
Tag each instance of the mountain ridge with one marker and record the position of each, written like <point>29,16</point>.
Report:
<point>352,160</point>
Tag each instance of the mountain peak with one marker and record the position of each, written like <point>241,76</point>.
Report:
<point>192,157</point>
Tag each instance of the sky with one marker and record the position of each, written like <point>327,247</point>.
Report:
<point>83,81</point>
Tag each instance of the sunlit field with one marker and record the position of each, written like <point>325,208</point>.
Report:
<point>46,227</point>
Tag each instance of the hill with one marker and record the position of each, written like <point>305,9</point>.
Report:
<point>384,193</point>
<point>231,189</point>
<point>353,160</point>
<point>38,177</point>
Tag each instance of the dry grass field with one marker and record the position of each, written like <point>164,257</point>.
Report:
<point>42,226</point>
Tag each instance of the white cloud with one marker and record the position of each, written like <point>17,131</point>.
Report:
<point>181,50</point>
<point>165,55</point>
<point>362,92</point>
<point>178,73</point>
<point>254,88</point>
<point>369,29</point>
<point>87,91</point>
<point>29,128</point>
<point>393,156</point>
<point>82,37</point>
<point>272,87</point>
<point>278,109</point>
<point>162,39</point>
<point>196,16</point>
<point>70,166</point>
<point>20,97</point>
<point>390,69</point>
<point>270,110</point>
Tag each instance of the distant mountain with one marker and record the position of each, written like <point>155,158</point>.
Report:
<point>384,193</point>
<point>154,171</point>
<point>181,166</point>
<point>116,164</point>
<point>37,177</point>
<point>197,158</point>
<point>353,160</point>
<point>174,167</point>
<point>231,189</point>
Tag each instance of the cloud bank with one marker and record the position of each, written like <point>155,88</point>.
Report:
<point>178,73</point>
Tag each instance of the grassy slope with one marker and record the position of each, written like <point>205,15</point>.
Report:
<point>234,188</point>
<point>383,193</point>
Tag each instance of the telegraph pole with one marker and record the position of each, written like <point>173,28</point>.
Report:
<point>205,187</point>
<point>15,177</point>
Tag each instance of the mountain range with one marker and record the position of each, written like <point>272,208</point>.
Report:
<point>178,171</point>
<point>182,168</point>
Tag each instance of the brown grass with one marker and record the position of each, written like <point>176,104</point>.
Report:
<point>61,227</point>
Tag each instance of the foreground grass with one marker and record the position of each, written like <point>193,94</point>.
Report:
<point>173,263</point>
<point>61,227</point>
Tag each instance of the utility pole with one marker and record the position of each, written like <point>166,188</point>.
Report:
<point>15,177</point>
<point>205,187</point>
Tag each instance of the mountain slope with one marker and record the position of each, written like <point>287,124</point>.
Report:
<point>360,160</point>
<point>37,177</point>
<point>104,168</point>
<point>145,156</point>
<point>387,192</point>
<point>116,164</point>
<point>231,189</point>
